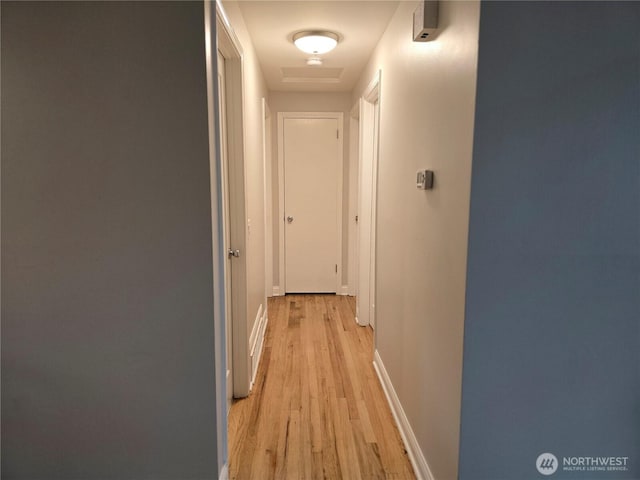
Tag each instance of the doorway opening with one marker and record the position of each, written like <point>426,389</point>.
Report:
<point>310,165</point>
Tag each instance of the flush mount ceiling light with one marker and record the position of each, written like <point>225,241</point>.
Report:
<point>315,42</point>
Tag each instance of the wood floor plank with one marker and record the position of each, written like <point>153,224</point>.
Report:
<point>316,410</point>
<point>331,466</point>
<point>368,455</point>
<point>292,455</point>
<point>367,430</point>
<point>344,439</point>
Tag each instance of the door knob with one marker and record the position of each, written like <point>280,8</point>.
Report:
<point>289,219</point>
<point>233,253</point>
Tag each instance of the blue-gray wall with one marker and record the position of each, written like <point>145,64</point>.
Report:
<point>107,294</point>
<point>552,328</point>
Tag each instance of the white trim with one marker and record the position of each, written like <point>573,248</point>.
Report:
<point>224,473</point>
<point>231,49</point>
<point>369,139</point>
<point>211,16</point>
<point>231,40</point>
<point>256,329</point>
<point>339,116</point>
<point>354,184</point>
<point>257,341</point>
<point>280,134</point>
<point>268,197</point>
<point>276,291</point>
<point>355,110</point>
<point>344,290</point>
<point>418,462</point>
<point>374,97</point>
<point>372,92</point>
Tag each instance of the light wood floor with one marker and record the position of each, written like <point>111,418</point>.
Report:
<point>317,409</point>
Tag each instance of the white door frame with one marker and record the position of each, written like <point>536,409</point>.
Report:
<point>217,234</point>
<point>268,199</point>
<point>229,46</point>
<point>224,182</point>
<point>368,156</point>
<point>354,188</point>
<point>281,117</point>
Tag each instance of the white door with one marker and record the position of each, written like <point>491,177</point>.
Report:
<point>224,162</point>
<point>312,178</point>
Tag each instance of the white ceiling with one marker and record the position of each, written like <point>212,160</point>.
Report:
<point>271,24</point>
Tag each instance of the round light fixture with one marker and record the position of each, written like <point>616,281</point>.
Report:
<point>315,42</point>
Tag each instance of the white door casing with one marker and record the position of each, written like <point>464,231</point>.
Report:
<point>211,15</point>
<point>374,215</point>
<point>310,164</point>
<point>352,235</point>
<point>268,203</point>
<point>230,48</point>
<point>368,173</point>
<point>224,169</point>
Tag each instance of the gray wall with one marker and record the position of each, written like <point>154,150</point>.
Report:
<point>107,294</point>
<point>552,328</point>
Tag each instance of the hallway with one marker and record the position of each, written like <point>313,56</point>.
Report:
<point>317,409</point>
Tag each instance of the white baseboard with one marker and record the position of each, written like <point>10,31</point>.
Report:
<point>357,316</point>
<point>344,290</point>
<point>419,463</point>
<point>276,291</point>
<point>255,331</point>
<point>224,473</point>
<point>256,341</point>
<point>362,324</point>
